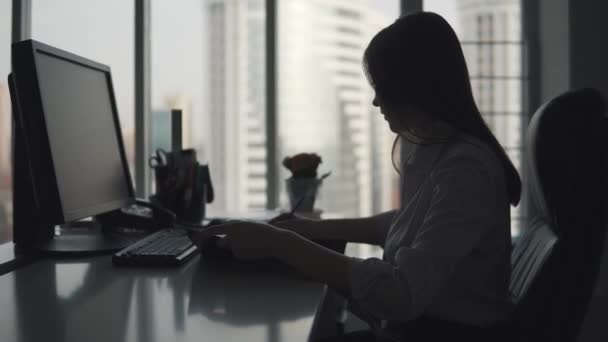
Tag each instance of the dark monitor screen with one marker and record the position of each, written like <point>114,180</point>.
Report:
<point>83,136</point>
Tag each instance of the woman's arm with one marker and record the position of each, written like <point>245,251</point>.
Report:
<point>254,241</point>
<point>370,229</point>
<point>315,261</point>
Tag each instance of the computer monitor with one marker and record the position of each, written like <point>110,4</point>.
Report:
<point>70,160</point>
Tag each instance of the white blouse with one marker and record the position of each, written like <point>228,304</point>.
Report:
<point>447,248</point>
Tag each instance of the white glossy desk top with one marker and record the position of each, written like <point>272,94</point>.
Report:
<point>91,300</point>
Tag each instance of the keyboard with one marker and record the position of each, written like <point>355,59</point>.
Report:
<point>166,247</point>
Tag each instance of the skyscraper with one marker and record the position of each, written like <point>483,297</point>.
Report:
<point>491,30</point>
<point>236,103</point>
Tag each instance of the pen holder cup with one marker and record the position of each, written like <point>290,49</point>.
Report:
<point>302,189</point>
<point>187,199</point>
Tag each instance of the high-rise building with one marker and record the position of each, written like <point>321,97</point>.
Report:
<point>491,30</point>
<point>237,156</point>
<point>324,102</point>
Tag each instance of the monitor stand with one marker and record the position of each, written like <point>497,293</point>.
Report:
<point>85,241</point>
<point>78,243</point>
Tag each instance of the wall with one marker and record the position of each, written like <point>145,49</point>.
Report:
<point>588,44</point>
<point>573,48</point>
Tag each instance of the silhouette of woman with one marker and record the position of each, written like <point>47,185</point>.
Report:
<point>446,263</point>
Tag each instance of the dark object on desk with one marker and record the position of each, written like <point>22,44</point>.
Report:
<point>556,261</point>
<point>182,184</point>
<point>176,129</point>
<point>214,249</point>
<point>140,215</point>
<point>167,247</point>
<point>65,119</point>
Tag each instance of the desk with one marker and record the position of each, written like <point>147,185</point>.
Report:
<point>92,300</point>
<point>9,261</point>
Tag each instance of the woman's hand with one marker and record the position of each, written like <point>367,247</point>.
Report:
<point>253,240</point>
<point>247,240</point>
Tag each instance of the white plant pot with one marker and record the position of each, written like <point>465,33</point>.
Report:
<point>298,188</point>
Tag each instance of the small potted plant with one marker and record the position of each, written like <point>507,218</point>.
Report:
<point>303,184</point>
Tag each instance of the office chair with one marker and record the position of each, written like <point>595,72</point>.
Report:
<point>556,261</point>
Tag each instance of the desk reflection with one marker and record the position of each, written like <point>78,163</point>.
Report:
<point>270,294</point>
<point>70,301</point>
<point>91,300</point>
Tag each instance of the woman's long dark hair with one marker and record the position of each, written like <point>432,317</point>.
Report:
<point>418,61</point>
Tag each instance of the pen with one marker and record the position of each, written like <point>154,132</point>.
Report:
<point>306,194</point>
<point>298,203</point>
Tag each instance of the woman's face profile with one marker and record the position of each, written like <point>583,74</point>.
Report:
<point>398,118</point>
<point>403,119</point>
<point>388,114</point>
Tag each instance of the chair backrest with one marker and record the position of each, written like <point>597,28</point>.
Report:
<point>556,261</point>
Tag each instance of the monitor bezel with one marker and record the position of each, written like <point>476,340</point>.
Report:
<point>38,144</point>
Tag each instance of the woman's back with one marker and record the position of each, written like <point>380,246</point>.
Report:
<point>447,251</point>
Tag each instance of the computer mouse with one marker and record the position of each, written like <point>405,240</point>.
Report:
<point>214,248</point>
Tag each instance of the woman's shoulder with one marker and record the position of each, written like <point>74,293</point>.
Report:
<point>469,152</point>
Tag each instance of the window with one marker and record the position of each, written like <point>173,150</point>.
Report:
<point>6,188</point>
<point>99,30</point>
<point>178,59</point>
<point>230,130</point>
<point>324,101</point>
<point>490,34</point>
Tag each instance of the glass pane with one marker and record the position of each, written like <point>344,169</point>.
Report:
<point>177,72</point>
<point>490,32</point>
<point>324,101</point>
<point>515,154</point>
<point>497,95</point>
<point>506,127</point>
<point>498,55</point>
<point>227,120</point>
<point>6,188</point>
<point>101,31</point>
